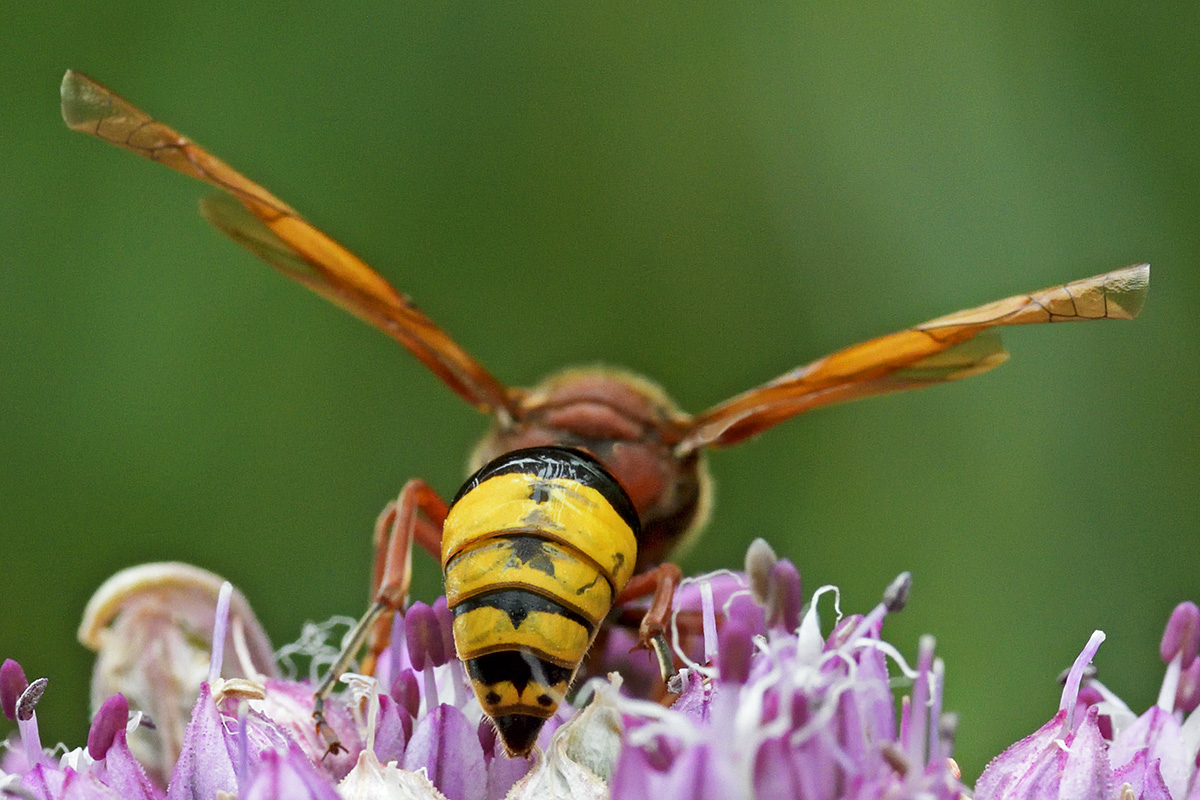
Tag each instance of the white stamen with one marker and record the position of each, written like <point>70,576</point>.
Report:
<point>242,651</point>
<point>30,739</point>
<point>809,641</point>
<point>220,625</point>
<point>1120,714</point>
<point>78,759</point>
<point>1189,732</point>
<point>704,580</point>
<point>760,558</point>
<point>709,618</point>
<point>1170,684</point>
<point>664,721</point>
<point>364,687</point>
<point>1070,691</point>
<point>430,695</point>
<point>921,694</point>
<point>458,682</point>
<point>936,688</point>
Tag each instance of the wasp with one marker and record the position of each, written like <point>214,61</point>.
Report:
<point>583,484</point>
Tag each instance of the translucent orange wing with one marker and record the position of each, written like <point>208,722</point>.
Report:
<point>945,349</point>
<point>256,219</point>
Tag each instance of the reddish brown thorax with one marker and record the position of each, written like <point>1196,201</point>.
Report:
<point>632,427</point>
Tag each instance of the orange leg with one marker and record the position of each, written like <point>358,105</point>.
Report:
<point>661,583</point>
<point>417,515</point>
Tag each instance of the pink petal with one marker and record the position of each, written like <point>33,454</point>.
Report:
<point>1087,772</point>
<point>123,773</point>
<point>289,776</point>
<point>636,777</point>
<point>44,783</point>
<point>447,747</point>
<point>393,731</point>
<point>1144,777</point>
<point>205,765</point>
<point>503,772</point>
<point>86,786</point>
<point>1036,754</point>
<point>1158,733</point>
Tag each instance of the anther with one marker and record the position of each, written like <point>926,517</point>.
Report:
<point>895,597</point>
<point>445,626</point>
<point>895,758</point>
<point>947,731</point>
<point>29,698</point>
<point>760,558</point>
<point>736,650</point>
<point>842,631</point>
<point>784,597</point>
<point>406,691</point>
<point>1182,635</point>
<point>421,635</point>
<point>12,684</point>
<point>111,718</point>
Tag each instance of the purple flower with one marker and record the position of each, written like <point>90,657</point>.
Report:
<point>247,732</point>
<point>1096,747</point>
<point>151,627</point>
<point>767,706</point>
<point>105,768</point>
<point>787,712</point>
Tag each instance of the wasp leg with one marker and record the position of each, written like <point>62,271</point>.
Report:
<point>417,515</point>
<point>661,583</point>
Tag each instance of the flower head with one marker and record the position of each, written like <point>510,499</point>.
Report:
<point>766,705</point>
<point>1096,747</point>
<point>105,768</point>
<point>152,627</point>
<point>791,713</point>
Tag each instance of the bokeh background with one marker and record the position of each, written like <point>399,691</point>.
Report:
<point>709,195</point>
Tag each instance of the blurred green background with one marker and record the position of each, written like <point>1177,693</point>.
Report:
<point>709,195</point>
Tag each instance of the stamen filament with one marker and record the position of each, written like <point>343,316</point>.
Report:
<point>1075,676</point>
<point>709,617</point>
<point>220,626</point>
<point>1170,684</point>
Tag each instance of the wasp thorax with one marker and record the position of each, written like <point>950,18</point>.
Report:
<point>631,426</point>
<point>536,546</point>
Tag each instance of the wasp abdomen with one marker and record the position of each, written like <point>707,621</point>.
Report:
<point>535,547</point>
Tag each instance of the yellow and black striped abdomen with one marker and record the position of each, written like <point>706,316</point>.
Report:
<point>535,547</point>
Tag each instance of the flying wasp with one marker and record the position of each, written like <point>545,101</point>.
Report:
<point>584,483</point>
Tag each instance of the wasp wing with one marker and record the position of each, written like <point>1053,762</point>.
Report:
<point>948,348</point>
<point>275,232</point>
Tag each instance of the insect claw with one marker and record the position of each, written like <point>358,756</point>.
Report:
<point>333,745</point>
